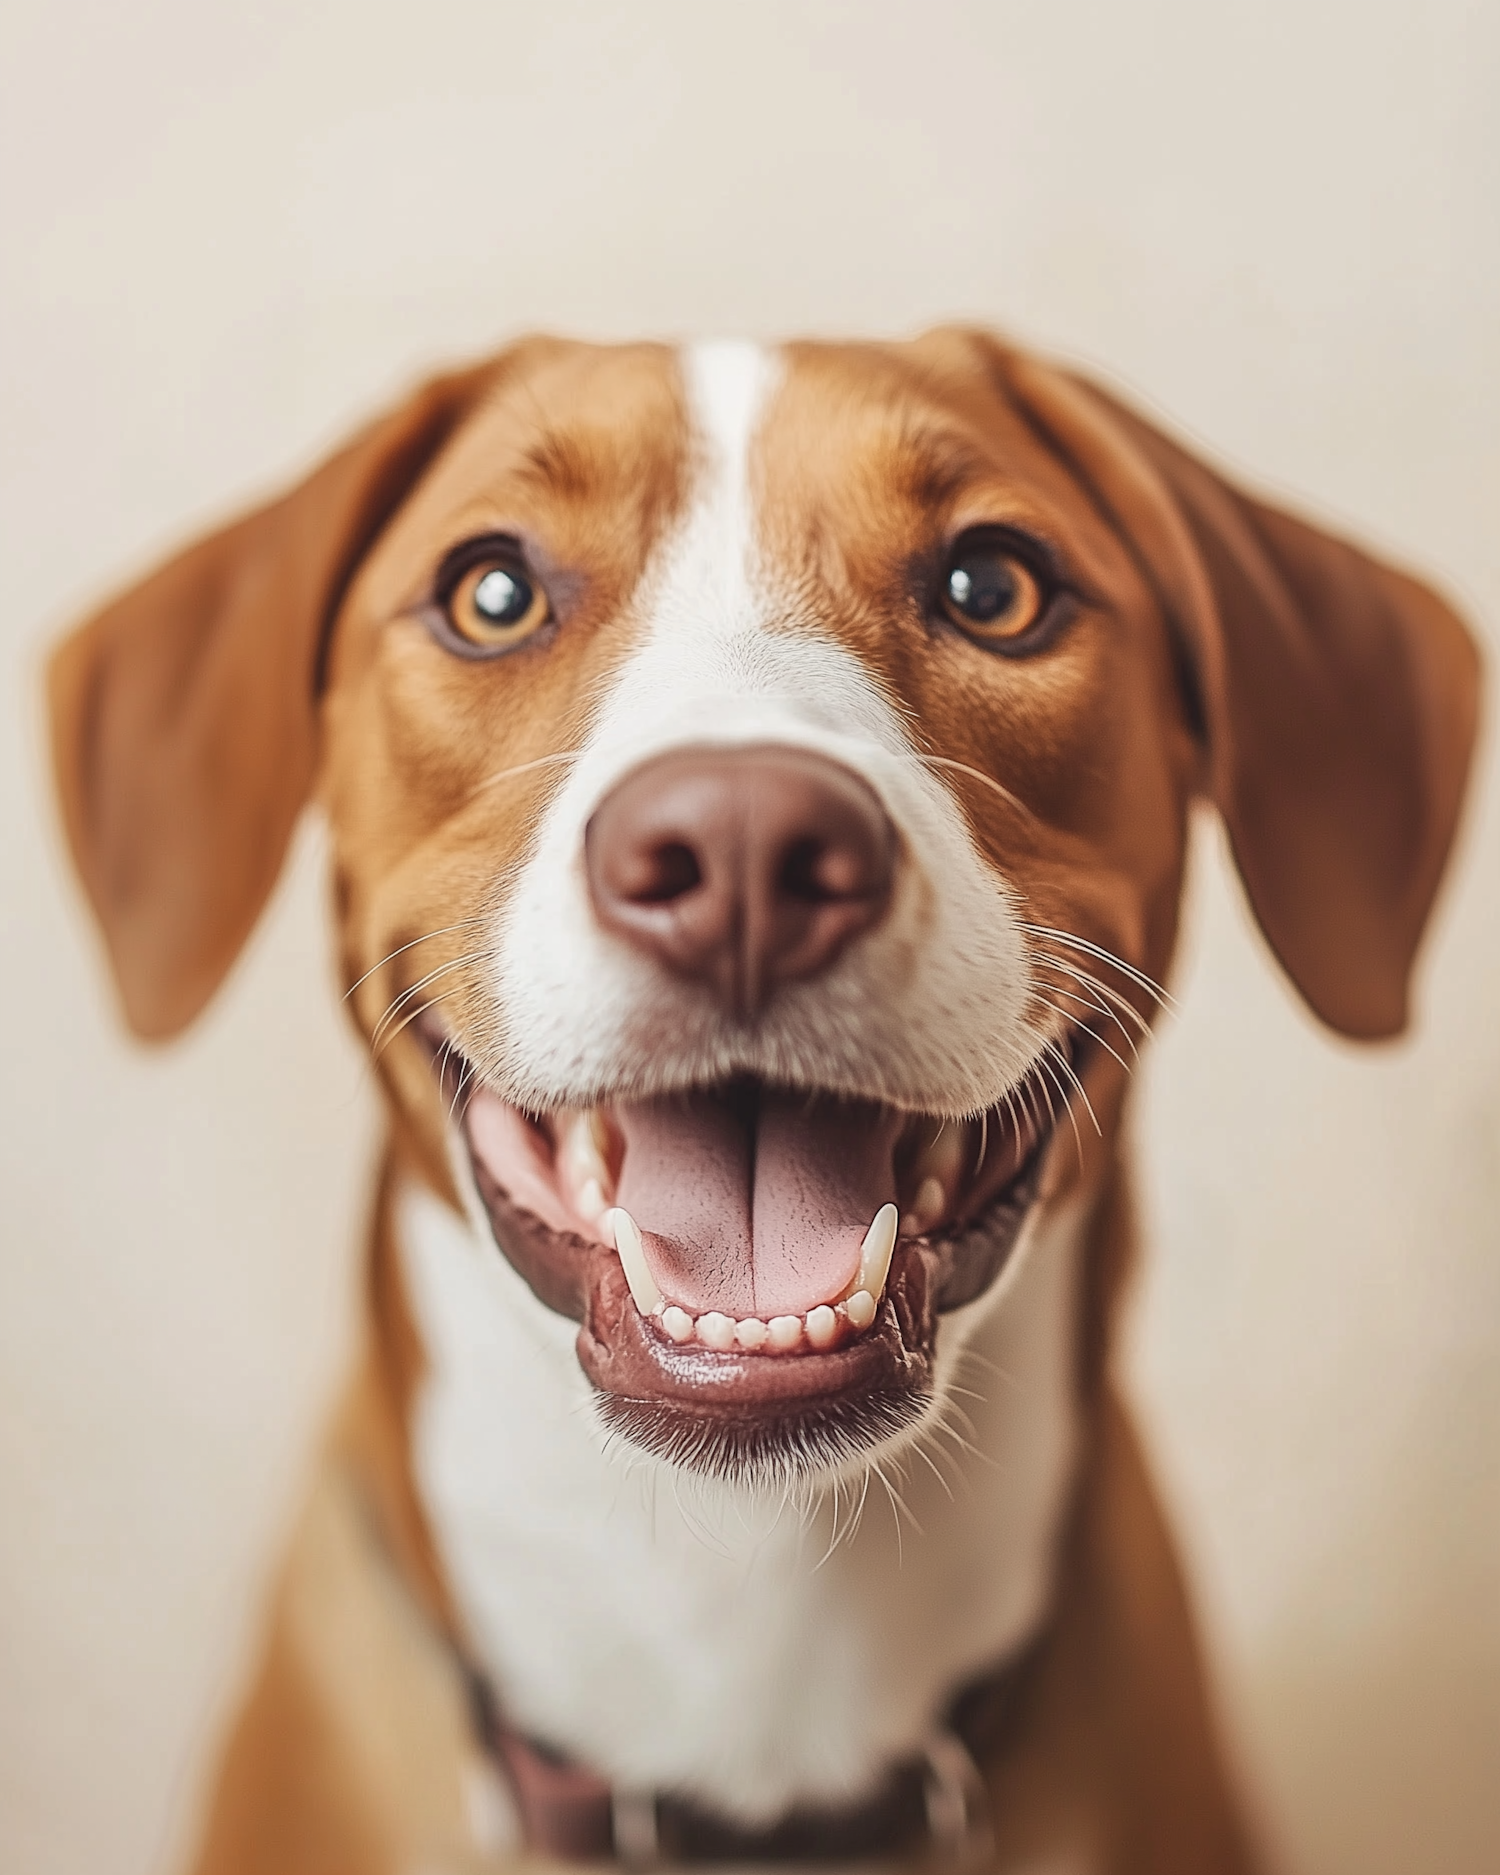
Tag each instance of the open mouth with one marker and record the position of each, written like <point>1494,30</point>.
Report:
<point>757,1271</point>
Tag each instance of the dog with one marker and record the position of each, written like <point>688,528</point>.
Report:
<point>758,781</point>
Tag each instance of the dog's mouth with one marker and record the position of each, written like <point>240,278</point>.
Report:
<point>758,1271</point>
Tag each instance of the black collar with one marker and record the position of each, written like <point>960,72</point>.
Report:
<point>932,1806</point>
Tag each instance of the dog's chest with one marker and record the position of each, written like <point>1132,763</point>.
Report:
<point>674,1634</point>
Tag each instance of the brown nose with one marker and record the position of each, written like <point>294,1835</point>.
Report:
<point>743,867</point>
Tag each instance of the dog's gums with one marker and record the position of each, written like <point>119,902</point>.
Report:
<point>757,1273</point>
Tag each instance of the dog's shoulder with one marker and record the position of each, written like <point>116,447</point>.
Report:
<point>354,1748</point>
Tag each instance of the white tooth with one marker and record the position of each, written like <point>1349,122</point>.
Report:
<point>860,1308</point>
<point>632,1257</point>
<point>822,1325</point>
<point>582,1163</point>
<point>677,1322</point>
<point>875,1251</point>
<point>716,1331</point>
<point>751,1333</point>
<point>942,1157</point>
<point>927,1207</point>
<point>599,1139</point>
<point>785,1331</point>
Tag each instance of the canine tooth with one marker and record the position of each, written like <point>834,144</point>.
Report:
<point>751,1333</point>
<point>875,1252</point>
<point>860,1308</point>
<point>784,1332</point>
<point>822,1325</point>
<point>942,1157</point>
<point>581,1160</point>
<point>716,1331</point>
<point>632,1255</point>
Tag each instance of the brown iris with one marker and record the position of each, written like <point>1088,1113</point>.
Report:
<point>990,593</point>
<point>496,604</point>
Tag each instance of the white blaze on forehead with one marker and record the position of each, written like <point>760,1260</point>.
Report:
<point>927,1011</point>
<point>723,660</point>
<point>729,383</point>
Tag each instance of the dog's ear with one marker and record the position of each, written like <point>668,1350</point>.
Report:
<point>1335,697</point>
<point>185,714</point>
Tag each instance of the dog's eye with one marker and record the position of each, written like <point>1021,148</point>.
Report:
<point>990,593</point>
<point>495,604</point>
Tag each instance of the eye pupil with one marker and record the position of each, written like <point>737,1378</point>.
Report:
<point>502,597</point>
<point>983,588</point>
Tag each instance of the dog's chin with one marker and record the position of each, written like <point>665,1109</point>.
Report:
<point>758,1274</point>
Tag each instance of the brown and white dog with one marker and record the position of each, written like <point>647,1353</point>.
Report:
<point>758,782</point>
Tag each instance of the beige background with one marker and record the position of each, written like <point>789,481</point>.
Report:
<point>229,230</point>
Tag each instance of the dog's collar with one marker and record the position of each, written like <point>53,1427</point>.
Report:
<point>931,1808</point>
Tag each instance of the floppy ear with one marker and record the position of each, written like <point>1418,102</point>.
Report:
<point>185,715</point>
<point>1336,697</point>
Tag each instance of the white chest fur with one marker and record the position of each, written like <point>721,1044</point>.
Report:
<point>675,1635</point>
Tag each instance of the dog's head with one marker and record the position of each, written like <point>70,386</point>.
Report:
<point>758,783</point>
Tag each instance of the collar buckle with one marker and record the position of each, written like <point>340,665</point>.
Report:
<point>956,1801</point>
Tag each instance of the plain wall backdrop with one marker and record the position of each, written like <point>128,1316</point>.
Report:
<point>229,232</point>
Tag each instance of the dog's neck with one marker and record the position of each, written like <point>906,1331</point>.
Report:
<point>750,1653</point>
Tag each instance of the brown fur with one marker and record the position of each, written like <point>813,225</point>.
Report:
<point>1218,647</point>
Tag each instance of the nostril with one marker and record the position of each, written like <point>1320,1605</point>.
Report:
<point>822,872</point>
<point>802,872</point>
<point>745,868</point>
<point>671,870</point>
<point>799,870</point>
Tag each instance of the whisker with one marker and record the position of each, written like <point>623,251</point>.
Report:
<point>959,1413</point>
<point>859,1508</point>
<point>1087,1002</point>
<point>1148,984</point>
<point>441,1065</point>
<point>1106,990</point>
<point>918,1447</point>
<point>966,1446</point>
<point>413,1015</point>
<point>834,1531</point>
<point>524,768</point>
<point>1018,1120</point>
<point>446,930</point>
<point>1041,1086</point>
<point>1033,1110</point>
<point>1067,1067</point>
<point>464,1082</point>
<point>403,996</point>
<point>988,781</point>
<point>395,1005</point>
<point>1045,1065</point>
<point>1088,994</point>
<point>899,1509</point>
<point>1126,1065</point>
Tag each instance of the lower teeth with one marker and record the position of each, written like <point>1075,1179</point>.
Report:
<point>822,1326</point>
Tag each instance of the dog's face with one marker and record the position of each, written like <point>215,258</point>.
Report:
<point>739,765</point>
<point>758,782</point>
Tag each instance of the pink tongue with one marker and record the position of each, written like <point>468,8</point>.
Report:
<point>755,1210</point>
